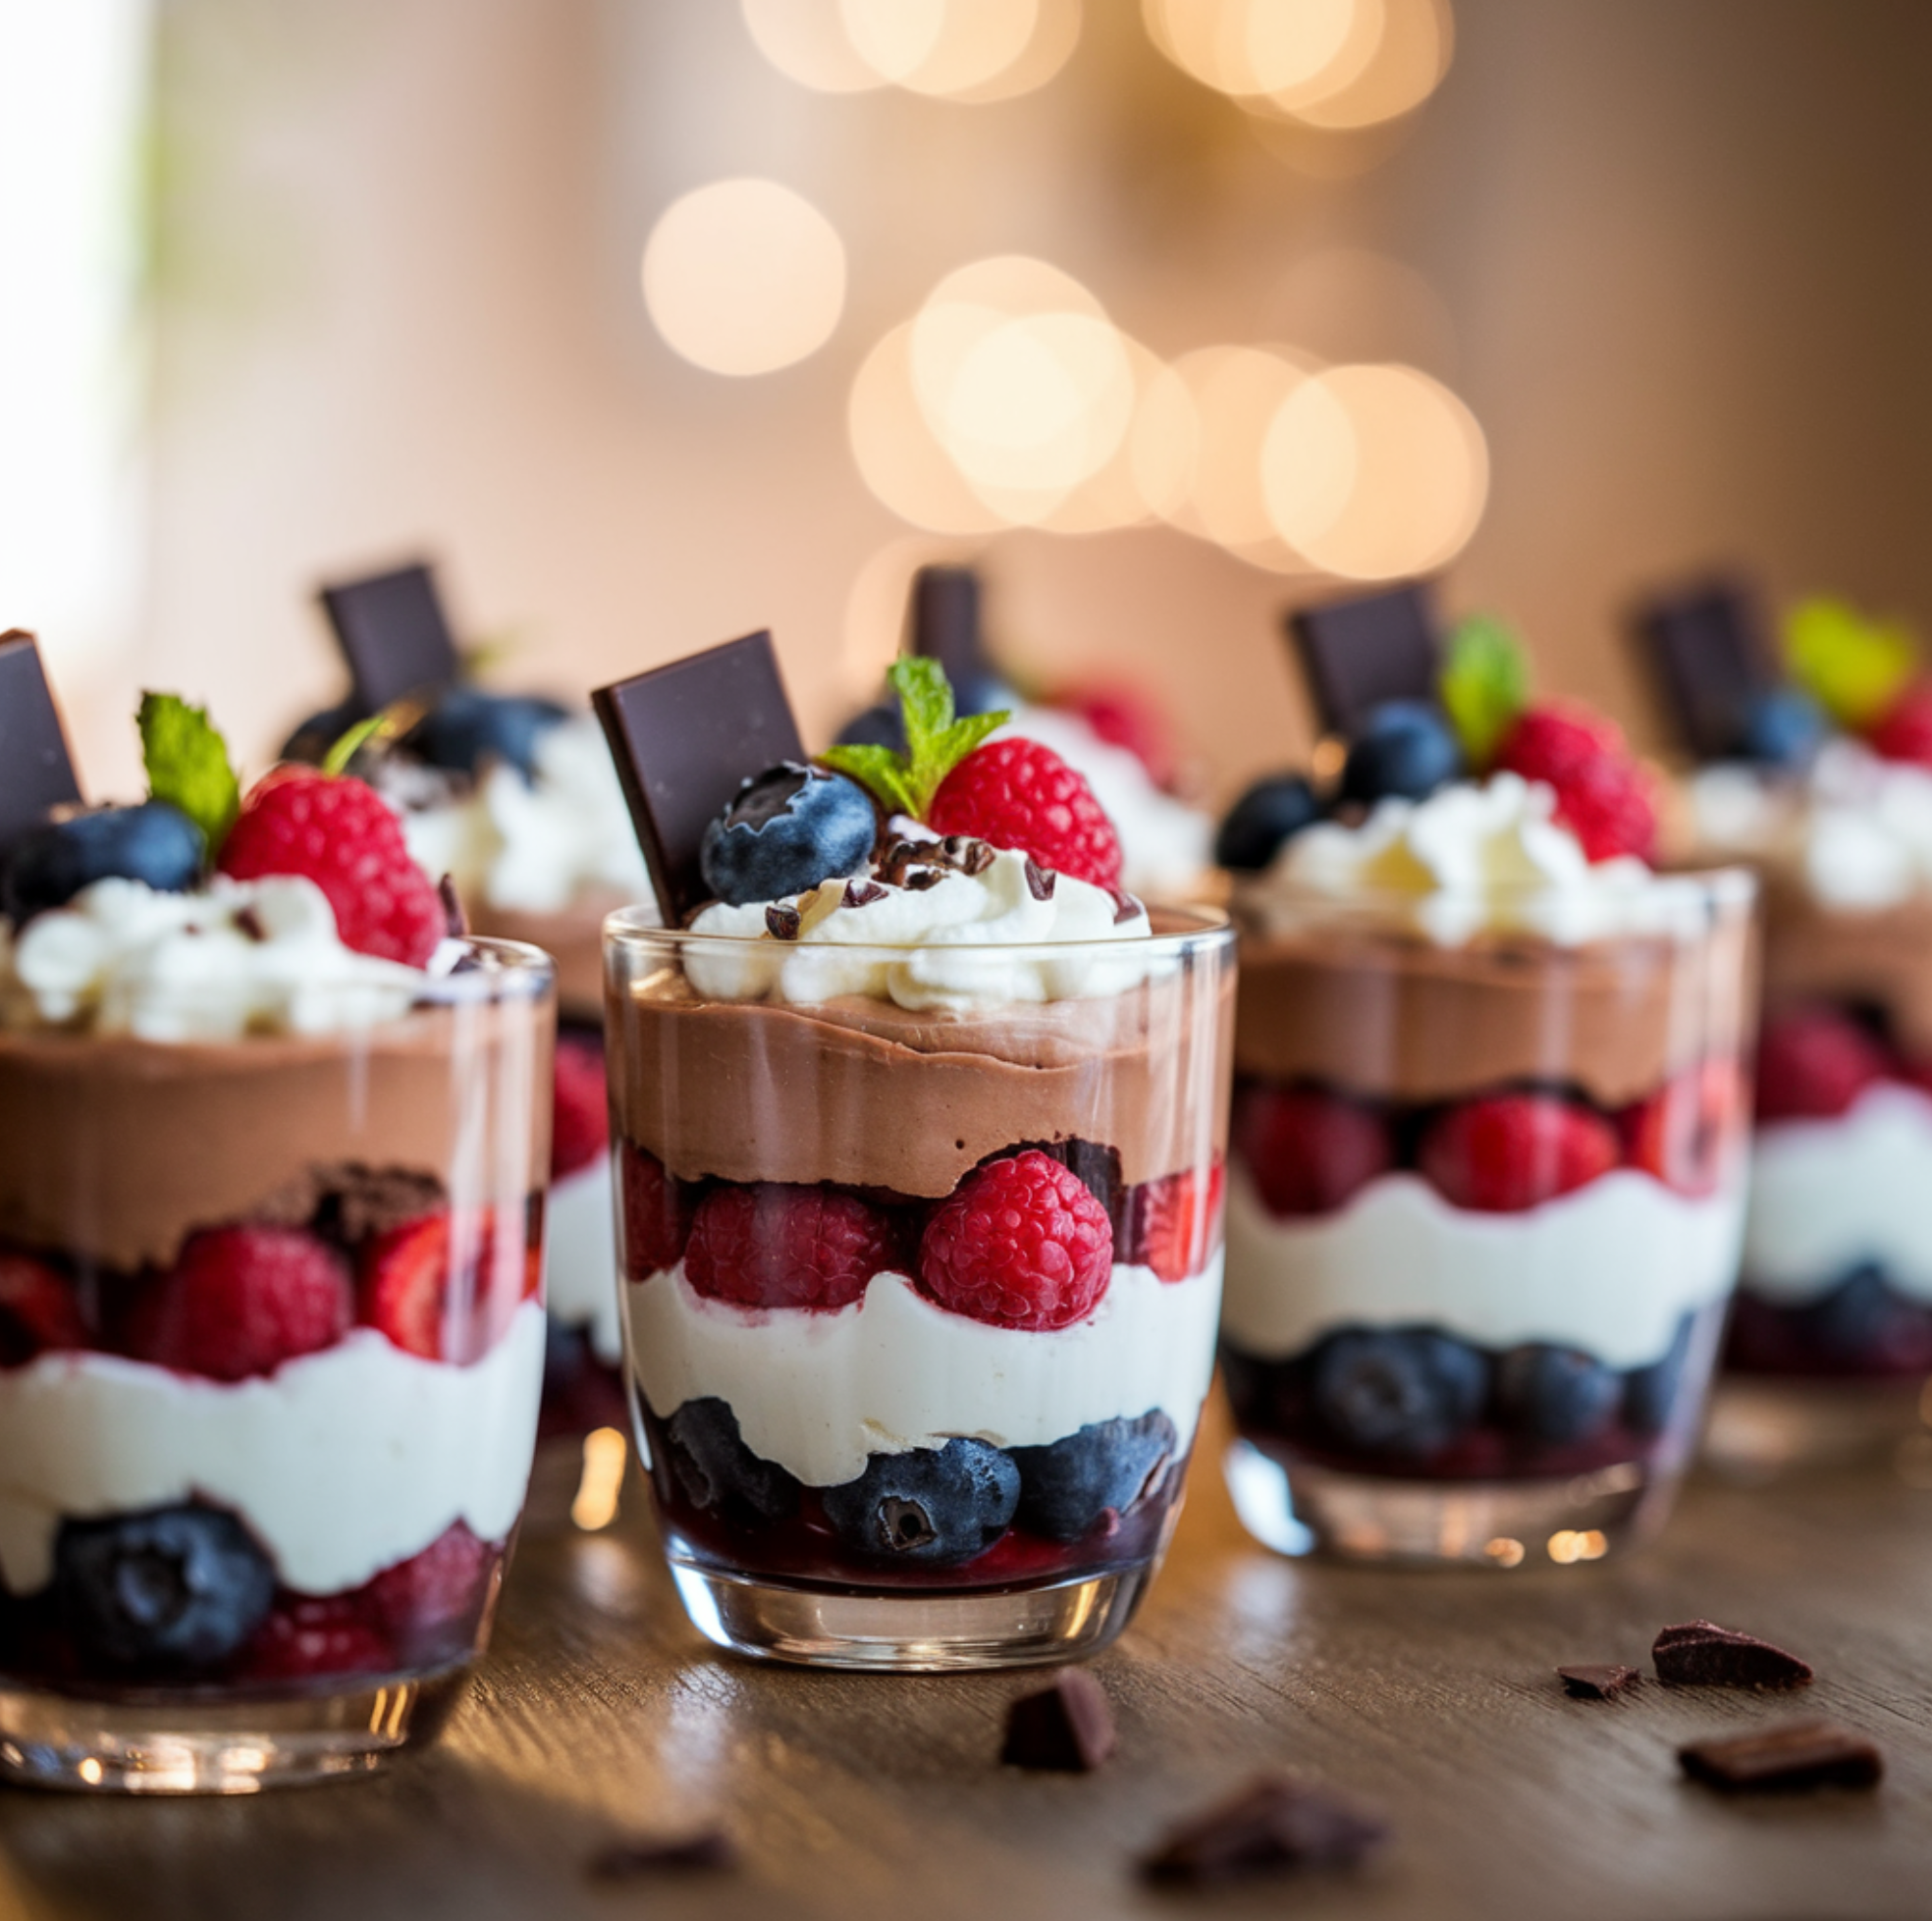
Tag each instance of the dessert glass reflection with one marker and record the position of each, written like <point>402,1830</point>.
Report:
<point>871,1444</point>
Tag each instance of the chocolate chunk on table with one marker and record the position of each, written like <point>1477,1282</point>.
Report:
<point>37,772</point>
<point>1603,1682</point>
<point>1796,1754</point>
<point>1361,652</point>
<point>1272,1826</point>
<point>393,635</point>
<point>1067,1725</point>
<point>1707,652</point>
<point>1701,1654</point>
<point>708,1850</point>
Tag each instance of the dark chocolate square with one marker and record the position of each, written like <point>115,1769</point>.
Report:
<point>684,737</point>
<point>1359,653</point>
<point>393,633</point>
<point>1708,656</point>
<point>1067,1727</point>
<point>946,623</point>
<point>1701,1654</point>
<point>1786,1758</point>
<point>37,772</point>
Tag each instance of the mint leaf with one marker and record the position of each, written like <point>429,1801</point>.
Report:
<point>347,745</point>
<point>1485,685</point>
<point>936,742</point>
<point>1854,667</point>
<point>188,765</point>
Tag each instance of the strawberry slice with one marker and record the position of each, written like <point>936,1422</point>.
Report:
<point>1682,1132</point>
<point>1177,1221</point>
<point>446,1288</point>
<point>38,1310</point>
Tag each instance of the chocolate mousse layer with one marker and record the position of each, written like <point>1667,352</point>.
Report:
<point>572,937</point>
<point>1880,957</point>
<point>114,1149</point>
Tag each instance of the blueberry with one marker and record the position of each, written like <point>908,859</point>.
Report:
<point>171,1586</point>
<point>1783,728</point>
<point>469,726</point>
<point>1405,751</point>
<point>929,1507</point>
<point>1267,813</point>
<point>876,726</point>
<point>1555,1395</point>
<point>1650,1394</point>
<point>719,1472</point>
<point>1857,1318</point>
<point>1066,1486</point>
<point>310,742</point>
<point>51,863</point>
<point>790,828</point>
<point>1405,1391</point>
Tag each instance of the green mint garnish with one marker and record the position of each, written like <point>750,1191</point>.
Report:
<point>352,743</point>
<point>936,743</point>
<point>1854,667</point>
<point>188,765</point>
<point>1485,685</point>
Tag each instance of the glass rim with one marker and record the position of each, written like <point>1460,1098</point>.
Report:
<point>1733,885</point>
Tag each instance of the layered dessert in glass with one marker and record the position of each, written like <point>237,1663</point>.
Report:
<point>271,1322</point>
<point>920,1164</point>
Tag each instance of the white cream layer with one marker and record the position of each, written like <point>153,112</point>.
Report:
<point>580,1258</point>
<point>818,1393</point>
<point>342,1463</point>
<point>1829,1194</point>
<point>1611,1268</point>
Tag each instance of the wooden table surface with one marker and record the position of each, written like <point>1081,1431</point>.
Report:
<point>600,1713</point>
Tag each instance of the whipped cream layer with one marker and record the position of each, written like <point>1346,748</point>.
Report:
<point>1829,1194</point>
<point>928,949</point>
<point>1611,1268</point>
<point>342,1463</point>
<point>818,1393</point>
<point>580,1258</point>
<point>240,957</point>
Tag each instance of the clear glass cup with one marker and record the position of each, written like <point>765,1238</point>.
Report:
<point>218,1572</point>
<point>1486,1197</point>
<point>848,1473</point>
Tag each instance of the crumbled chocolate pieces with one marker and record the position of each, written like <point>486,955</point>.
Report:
<point>250,925</point>
<point>1067,1725</point>
<point>1272,1826</point>
<point>709,1850</point>
<point>1040,880</point>
<point>1125,906</point>
<point>1598,1684</point>
<point>1701,1654</point>
<point>917,865</point>
<point>862,894</point>
<point>1793,1755</point>
<point>970,856</point>
<point>782,921</point>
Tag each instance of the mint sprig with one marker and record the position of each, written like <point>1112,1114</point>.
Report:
<point>1854,667</point>
<point>1485,685</point>
<point>188,765</point>
<point>936,742</point>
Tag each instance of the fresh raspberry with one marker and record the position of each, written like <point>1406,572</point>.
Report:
<point>1176,1221</point>
<point>1504,1153</point>
<point>774,1245</point>
<point>1685,1130</point>
<point>1018,794</point>
<point>1905,731</point>
<point>1022,1243</point>
<point>446,1289</point>
<point>580,1127</point>
<point>241,1301</point>
<point>657,1214</point>
<point>1308,1152</point>
<point>339,833</point>
<point>1813,1063</point>
<point>38,1310</point>
<point>1603,795</point>
<point>1122,717</point>
<point>442,1585</point>
<point>303,1637</point>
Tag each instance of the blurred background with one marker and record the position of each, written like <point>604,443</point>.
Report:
<point>653,321</point>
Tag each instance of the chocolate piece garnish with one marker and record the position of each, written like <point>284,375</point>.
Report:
<point>393,633</point>
<point>709,1850</point>
<point>684,737</point>
<point>1067,1725</point>
<point>456,920</point>
<point>946,623</point>
<point>1125,906</point>
<point>1273,1825</point>
<point>1701,1654</point>
<point>862,894</point>
<point>1707,652</point>
<point>1359,653</point>
<point>36,773</point>
<point>1040,880</point>
<point>968,855</point>
<point>1793,1755</point>
<point>784,921</point>
<point>927,877</point>
<point>1598,1684</point>
<point>251,924</point>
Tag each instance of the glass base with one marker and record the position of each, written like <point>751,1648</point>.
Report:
<point>1308,1510</point>
<point>215,1747</point>
<point>906,1631</point>
<point>1765,1425</point>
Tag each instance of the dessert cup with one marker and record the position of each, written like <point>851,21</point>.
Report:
<point>1485,1193</point>
<point>216,1577</point>
<point>874,1480</point>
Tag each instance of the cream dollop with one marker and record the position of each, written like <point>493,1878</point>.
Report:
<point>241,957</point>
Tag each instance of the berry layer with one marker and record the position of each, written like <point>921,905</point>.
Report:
<point>340,1463</point>
<point>1879,958</point>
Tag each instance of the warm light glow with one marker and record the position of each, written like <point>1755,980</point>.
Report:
<point>959,49</point>
<point>744,276</point>
<point>1504,1552</point>
<point>894,37</point>
<point>807,42</point>
<point>1568,1546</point>
<point>1410,56</point>
<point>606,1454</point>
<point>1235,391</point>
<point>896,453</point>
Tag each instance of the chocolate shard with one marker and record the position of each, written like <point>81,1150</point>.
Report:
<point>37,772</point>
<point>1067,1725</point>
<point>455,918</point>
<point>782,921</point>
<point>1701,1654</point>
<point>1598,1684</point>
<point>946,623</point>
<point>1794,1754</point>
<point>862,894</point>
<point>1040,880</point>
<point>1358,653</point>
<point>684,737</point>
<point>393,633</point>
<point>1274,1825</point>
<point>709,1850</point>
<point>1707,655</point>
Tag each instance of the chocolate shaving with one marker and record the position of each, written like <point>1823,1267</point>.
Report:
<point>926,876</point>
<point>36,773</point>
<point>968,855</point>
<point>1701,1654</point>
<point>455,921</point>
<point>782,922</point>
<point>251,924</point>
<point>1272,1826</point>
<point>393,636</point>
<point>1598,1684</point>
<point>1069,1726</point>
<point>1125,906</point>
<point>709,1850</point>
<point>862,894</point>
<point>1040,880</point>
<point>1794,1754</point>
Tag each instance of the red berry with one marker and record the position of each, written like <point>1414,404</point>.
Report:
<point>1905,733</point>
<point>1177,1221</point>
<point>1308,1152</point>
<point>1603,795</point>
<point>774,1245</point>
<point>305,1637</point>
<point>580,1127</point>
<point>1018,794</point>
<point>1813,1063</point>
<point>657,1214</point>
<point>1507,1151</point>
<point>1022,1243</point>
<point>38,1310</point>
<point>442,1584</point>
<point>446,1288</point>
<point>241,1301</point>
<point>339,833</point>
<point>1123,716</point>
<point>1683,1132</point>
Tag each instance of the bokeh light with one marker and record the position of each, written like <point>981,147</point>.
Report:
<point>807,42</point>
<point>896,453</point>
<point>971,51</point>
<point>743,277</point>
